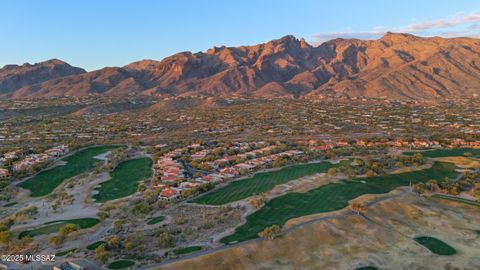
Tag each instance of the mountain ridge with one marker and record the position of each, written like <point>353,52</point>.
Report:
<point>395,66</point>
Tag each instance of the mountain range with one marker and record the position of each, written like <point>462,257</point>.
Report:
<point>395,66</point>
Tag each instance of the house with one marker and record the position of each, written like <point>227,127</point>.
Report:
<point>199,155</point>
<point>58,151</point>
<point>11,155</point>
<point>189,185</point>
<point>475,144</point>
<point>4,174</point>
<point>170,194</point>
<point>420,144</point>
<point>230,171</point>
<point>194,145</point>
<point>169,179</point>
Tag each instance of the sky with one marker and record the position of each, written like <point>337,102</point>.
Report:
<point>96,33</point>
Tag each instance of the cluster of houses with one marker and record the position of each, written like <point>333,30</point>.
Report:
<point>463,143</point>
<point>167,169</point>
<point>170,171</point>
<point>4,172</point>
<point>33,159</point>
<point>324,145</point>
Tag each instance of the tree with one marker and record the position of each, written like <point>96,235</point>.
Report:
<point>243,171</point>
<point>128,244</point>
<point>150,196</point>
<point>205,167</point>
<point>114,242</point>
<point>432,185</point>
<point>102,215</point>
<point>56,240</point>
<point>67,229</point>
<point>257,201</point>
<point>194,164</point>
<point>101,254</point>
<point>187,193</point>
<point>350,172</point>
<point>476,191</point>
<point>332,172</point>
<point>358,208</point>
<point>6,237</point>
<point>279,162</point>
<point>8,221</point>
<point>418,188</point>
<point>117,225</point>
<point>370,173</point>
<point>166,240</point>
<point>270,232</point>
<point>417,158</point>
<point>141,208</point>
<point>141,187</point>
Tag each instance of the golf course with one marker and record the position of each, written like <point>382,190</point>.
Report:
<point>331,197</point>
<point>453,152</point>
<point>125,178</point>
<point>79,162</point>
<point>264,181</point>
<point>54,226</point>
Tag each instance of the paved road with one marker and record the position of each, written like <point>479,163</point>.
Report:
<point>404,191</point>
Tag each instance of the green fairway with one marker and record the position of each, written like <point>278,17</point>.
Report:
<point>436,246</point>
<point>82,161</point>
<point>125,178</point>
<point>120,264</point>
<point>54,226</point>
<point>262,182</point>
<point>330,197</point>
<point>156,220</point>
<point>454,152</point>
<point>456,199</point>
<point>94,245</point>
<point>187,250</point>
<point>65,252</point>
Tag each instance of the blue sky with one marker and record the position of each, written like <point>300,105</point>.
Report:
<point>97,33</point>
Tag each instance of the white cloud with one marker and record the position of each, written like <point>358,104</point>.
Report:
<point>462,24</point>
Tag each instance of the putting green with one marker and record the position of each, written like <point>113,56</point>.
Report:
<point>65,252</point>
<point>330,197</point>
<point>156,220</point>
<point>94,245</point>
<point>120,264</point>
<point>125,178</point>
<point>82,161</point>
<point>187,250</point>
<point>54,226</point>
<point>435,245</point>
<point>264,181</point>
